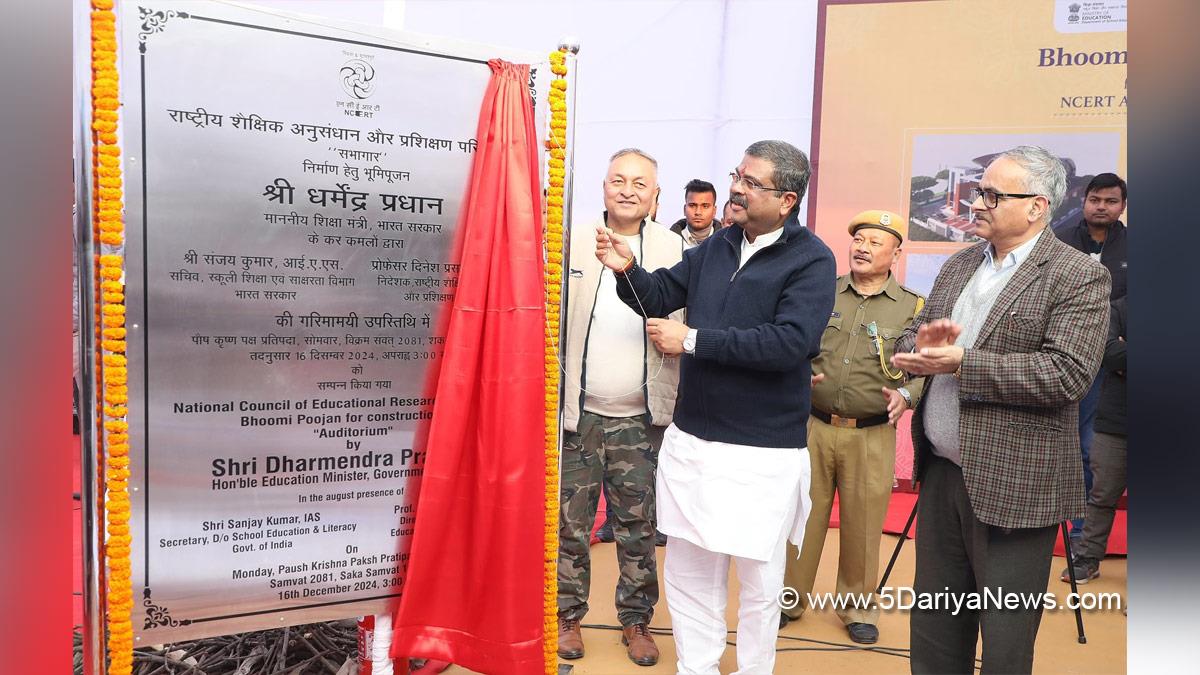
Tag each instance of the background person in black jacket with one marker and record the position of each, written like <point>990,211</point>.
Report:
<point>734,470</point>
<point>699,207</point>
<point>1109,454</point>
<point>1100,234</point>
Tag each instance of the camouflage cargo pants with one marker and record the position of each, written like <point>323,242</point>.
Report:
<point>617,451</point>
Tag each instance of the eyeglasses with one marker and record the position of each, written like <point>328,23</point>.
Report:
<point>991,199</point>
<point>750,183</point>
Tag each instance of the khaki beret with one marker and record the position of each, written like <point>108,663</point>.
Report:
<point>882,220</point>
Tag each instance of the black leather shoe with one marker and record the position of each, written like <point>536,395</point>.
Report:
<point>784,619</point>
<point>863,633</point>
<point>605,533</point>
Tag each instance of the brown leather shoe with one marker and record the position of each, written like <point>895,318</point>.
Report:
<point>640,644</point>
<point>570,639</point>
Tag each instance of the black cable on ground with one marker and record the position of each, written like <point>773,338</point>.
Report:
<point>828,646</point>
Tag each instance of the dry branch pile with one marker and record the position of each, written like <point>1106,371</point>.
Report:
<point>311,649</point>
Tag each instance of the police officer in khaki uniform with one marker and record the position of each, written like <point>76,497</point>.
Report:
<point>857,398</point>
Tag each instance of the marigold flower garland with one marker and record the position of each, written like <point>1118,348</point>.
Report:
<point>557,145</point>
<point>107,214</point>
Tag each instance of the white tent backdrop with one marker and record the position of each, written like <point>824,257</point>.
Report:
<point>692,82</point>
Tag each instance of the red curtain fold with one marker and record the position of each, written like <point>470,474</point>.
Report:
<point>473,593</point>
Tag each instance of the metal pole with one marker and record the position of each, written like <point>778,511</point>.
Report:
<point>1074,588</point>
<point>896,553</point>
<point>91,493</point>
<point>571,44</point>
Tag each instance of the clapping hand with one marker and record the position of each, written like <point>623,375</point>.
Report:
<point>935,350</point>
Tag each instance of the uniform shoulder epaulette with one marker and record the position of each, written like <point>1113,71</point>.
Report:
<point>919,296</point>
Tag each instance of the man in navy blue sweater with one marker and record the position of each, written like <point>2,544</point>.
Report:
<point>734,470</point>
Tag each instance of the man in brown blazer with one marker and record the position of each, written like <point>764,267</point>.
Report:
<point>1012,335</point>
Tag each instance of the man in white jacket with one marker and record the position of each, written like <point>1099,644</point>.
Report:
<point>619,394</point>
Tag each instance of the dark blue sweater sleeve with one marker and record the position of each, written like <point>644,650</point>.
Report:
<point>794,335</point>
<point>655,294</point>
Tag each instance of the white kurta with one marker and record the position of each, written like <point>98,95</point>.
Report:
<point>734,499</point>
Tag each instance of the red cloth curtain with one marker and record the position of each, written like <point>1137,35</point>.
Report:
<point>473,594</point>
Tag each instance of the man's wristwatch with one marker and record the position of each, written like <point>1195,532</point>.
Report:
<point>907,396</point>
<point>689,342</point>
